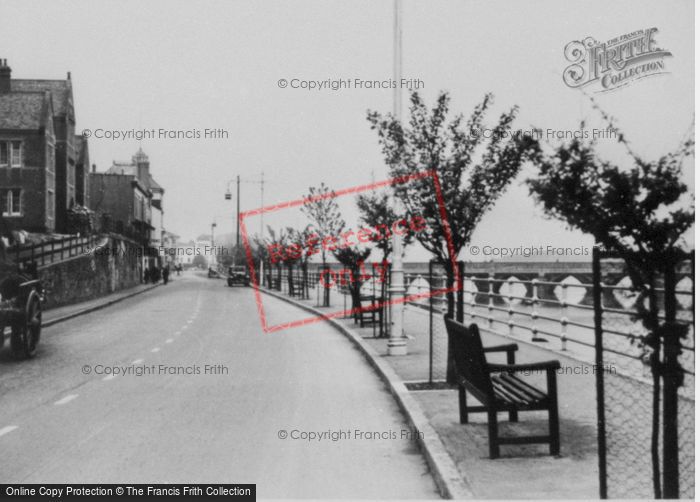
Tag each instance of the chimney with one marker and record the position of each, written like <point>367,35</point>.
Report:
<point>94,168</point>
<point>142,166</point>
<point>68,76</point>
<point>5,73</point>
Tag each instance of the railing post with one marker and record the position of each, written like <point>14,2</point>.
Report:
<point>672,378</point>
<point>490,306</point>
<point>535,314</point>
<point>510,306</point>
<point>599,375</point>
<point>472,312</point>
<point>564,319</point>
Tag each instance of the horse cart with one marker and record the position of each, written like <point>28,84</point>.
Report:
<point>21,297</point>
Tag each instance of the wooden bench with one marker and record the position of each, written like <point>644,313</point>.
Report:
<point>370,312</point>
<point>498,388</point>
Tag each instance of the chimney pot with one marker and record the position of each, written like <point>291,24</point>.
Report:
<point>5,76</point>
<point>94,168</point>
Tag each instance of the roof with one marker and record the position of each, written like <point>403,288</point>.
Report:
<point>61,91</point>
<point>126,168</point>
<point>23,110</point>
<point>129,169</point>
<point>153,185</point>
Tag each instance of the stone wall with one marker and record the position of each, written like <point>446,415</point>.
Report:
<point>112,266</point>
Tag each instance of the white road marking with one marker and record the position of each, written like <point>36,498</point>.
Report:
<point>138,361</point>
<point>169,340</point>
<point>109,377</point>
<point>66,399</point>
<point>155,350</point>
<point>7,429</point>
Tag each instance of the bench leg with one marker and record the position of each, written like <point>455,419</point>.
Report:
<point>513,415</point>
<point>493,434</point>
<point>553,414</point>
<point>463,414</point>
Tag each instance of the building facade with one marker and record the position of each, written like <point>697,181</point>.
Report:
<point>128,196</point>
<point>39,152</point>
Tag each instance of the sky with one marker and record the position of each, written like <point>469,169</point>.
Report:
<point>191,66</point>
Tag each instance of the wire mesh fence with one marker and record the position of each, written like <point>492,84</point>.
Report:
<point>554,308</point>
<point>631,409</point>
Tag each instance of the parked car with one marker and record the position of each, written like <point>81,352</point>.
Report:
<point>238,275</point>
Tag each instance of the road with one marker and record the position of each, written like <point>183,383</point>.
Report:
<point>62,419</point>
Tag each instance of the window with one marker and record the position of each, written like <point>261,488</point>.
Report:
<point>13,202</point>
<point>137,206</point>
<point>16,149</point>
<point>50,204</point>
<point>10,154</point>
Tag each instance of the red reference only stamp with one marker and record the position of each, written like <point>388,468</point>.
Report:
<point>339,275</point>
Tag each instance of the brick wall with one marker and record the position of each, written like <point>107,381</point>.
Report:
<point>113,267</point>
<point>113,194</point>
<point>31,178</point>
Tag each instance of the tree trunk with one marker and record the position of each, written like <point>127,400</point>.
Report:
<point>305,281</point>
<point>326,287</point>
<point>290,279</point>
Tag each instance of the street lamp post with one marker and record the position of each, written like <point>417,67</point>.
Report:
<point>228,196</point>
<point>396,346</point>
<point>213,226</point>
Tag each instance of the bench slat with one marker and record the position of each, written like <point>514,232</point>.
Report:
<point>534,392</point>
<point>509,394</point>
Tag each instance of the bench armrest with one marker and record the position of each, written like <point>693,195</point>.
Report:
<point>502,348</point>
<point>543,365</point>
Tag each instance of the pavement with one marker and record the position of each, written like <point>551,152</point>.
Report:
<point>205,397</point>
<point>523,471</point>
<point>60,314</point>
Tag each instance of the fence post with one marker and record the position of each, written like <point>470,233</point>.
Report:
<point>430,321</point>
<point>460,292</point>
<point>672,378</point>
<point>489,320</point>
<point>599,382</point>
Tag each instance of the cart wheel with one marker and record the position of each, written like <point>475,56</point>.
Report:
<point>26,333</point>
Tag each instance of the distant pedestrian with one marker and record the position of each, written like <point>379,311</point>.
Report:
<point>166,273</point>
<point>155,274</point>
